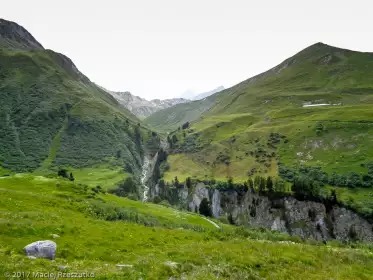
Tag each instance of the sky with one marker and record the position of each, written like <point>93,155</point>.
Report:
<point>164,48</point>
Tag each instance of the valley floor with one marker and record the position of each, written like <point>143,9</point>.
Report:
<point>98,232</point>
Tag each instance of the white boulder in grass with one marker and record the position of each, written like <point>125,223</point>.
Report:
<point>41,249</point>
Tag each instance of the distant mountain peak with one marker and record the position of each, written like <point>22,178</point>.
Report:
<point>322,48</point>
<point>141,107</point>
<point>13,35</point>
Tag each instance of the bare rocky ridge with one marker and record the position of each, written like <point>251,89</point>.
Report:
<point>14,36</point>
<point>306,219</point>
<point>143,108</point>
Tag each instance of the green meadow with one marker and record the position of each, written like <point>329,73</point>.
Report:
<point>99,231</point>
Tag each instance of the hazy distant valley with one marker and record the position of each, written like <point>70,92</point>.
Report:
<point>143,108</point>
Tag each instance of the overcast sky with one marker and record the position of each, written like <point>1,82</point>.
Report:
<point>163,48</point>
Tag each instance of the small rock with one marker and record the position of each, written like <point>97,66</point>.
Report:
<point>171,264</point>
<point>63,267</point>
<point>32,257</point>
<point>286,242</point>
<point>55,235</point>
<point>124,265</point>
<point>41,249</point>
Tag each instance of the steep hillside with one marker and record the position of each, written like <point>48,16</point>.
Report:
<point>52,115</point>
<point>311,115</point>
<point>143,108</point>
<point>318,74</point>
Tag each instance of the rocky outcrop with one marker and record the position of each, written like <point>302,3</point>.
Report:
<point>306,219</point>
<point>141,107</point>
<point>200,192</point>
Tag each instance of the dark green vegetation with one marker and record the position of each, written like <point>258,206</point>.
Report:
<point>265,126</point>
<point>52,115</point>
<point>205,208</point>
<point>158,242</point>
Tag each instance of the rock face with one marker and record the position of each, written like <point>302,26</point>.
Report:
<point>15,36</point>
<point>306,219</point>
<point>41,249</point>
<point>143,108</point>
<point>200,193</point>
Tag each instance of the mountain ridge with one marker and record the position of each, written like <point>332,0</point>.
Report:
<point>52,115</point>
<point>16,36</point>
<point>142,107</point>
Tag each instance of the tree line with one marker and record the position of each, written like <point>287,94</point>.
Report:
<point>351,180</point>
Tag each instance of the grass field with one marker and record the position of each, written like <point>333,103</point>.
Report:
<point>105,176</point>
<point>361,199</point>
<point>34,207</point>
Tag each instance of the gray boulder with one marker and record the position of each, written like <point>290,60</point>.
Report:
<point>41,249</point>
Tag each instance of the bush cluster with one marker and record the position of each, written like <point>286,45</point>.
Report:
<point>312,173</point>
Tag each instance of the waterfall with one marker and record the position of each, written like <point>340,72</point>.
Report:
<point>144,177</point>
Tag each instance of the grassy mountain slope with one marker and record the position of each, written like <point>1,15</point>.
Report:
<point>320,73</point>
<point>171,118</point>
<point>264,121</point>
<point>155,242</point>
<point>51,114</point>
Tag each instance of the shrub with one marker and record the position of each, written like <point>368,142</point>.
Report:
<point>71,177</point>
<point>157,199</point>
<point>269,184</point>
<point>118,154</point>
<point>319,128</point>
<point>63,173</point>
<point>188,182</point>
<point>352,233</point>
<point>205,208</point>
<point>305,188</point>
<point>128,186</point>
<point>185,125</point>
<point>165,203</point>
<point>279,186</point>
<point>176,182</point>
